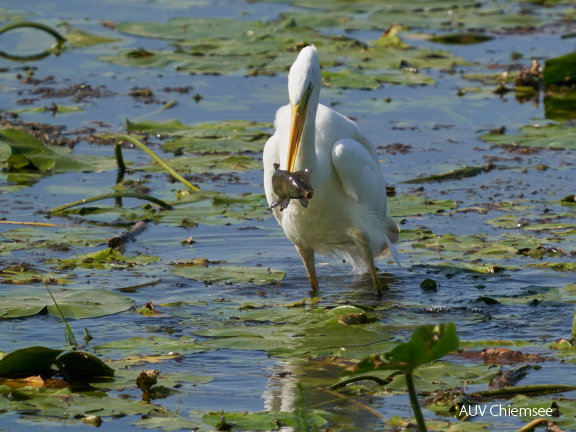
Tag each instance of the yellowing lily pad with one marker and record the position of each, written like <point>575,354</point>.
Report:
<point>105,258</point>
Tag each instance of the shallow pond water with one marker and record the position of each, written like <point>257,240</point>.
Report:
<point>499,244</point>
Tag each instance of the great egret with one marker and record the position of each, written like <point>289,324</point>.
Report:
<point>347,215</point>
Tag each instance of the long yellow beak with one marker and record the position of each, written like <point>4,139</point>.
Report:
<point>296,126</point>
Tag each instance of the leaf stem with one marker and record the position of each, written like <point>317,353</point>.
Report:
<point>111,195</point>
<point>154,156</point>
<point>415,403</point>
<point>36,25</point>
<point>344,383</point>
<point>573,338</point>
<point>70,339</point>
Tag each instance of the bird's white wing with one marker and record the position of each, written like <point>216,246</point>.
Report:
<point>362,180</point>
<point>360,174</point>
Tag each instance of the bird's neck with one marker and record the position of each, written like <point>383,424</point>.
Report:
<point>306,157</point>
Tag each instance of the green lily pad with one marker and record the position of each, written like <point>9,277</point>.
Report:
<point>456,174</point>
<point>560,70</point>
<point>428,343</point>
<point>152,344</point>
<point>215,164</point>
<point>445,375</point>
<point>168,423</point>
<point>28,152</point>
<point>313,333</point>
<point>70,236</point>
<point>229,274</point>
<point>81,39</point>
<point>102,259</point>
<point>83,366</point>
<point>62,403</point>
<point>18,275</point>
<point>369,15</point>
<point>24,362</point>
<point>215,208</point>
<point>533,408</point>
<point>60,109</point>
<point>406,205</point>
<point>347,78</point>
<point>560,106</point>
<point>264,421</point>
<point>556,136</point>
<point>73,304</point>
<point>234,136</point>
<point>228,46</point>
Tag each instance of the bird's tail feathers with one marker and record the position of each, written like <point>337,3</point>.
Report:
<point>392,235</point>
<point>392,230</point>
<point>394,253</point>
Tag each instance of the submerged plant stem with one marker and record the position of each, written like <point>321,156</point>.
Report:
<point>415,403</point>
<point>344,383</point>
<point>154,156</point>
<point>355,402</point>
<point>533,388</point>
<point>111,195</point>
<point>573,336</point>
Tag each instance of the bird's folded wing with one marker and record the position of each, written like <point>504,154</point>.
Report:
<point>360,173</point>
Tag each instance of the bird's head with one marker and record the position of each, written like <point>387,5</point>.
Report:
<point>304,82</point>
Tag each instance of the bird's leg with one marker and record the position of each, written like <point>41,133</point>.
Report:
<point>307,256</point>
<point>364,246</point>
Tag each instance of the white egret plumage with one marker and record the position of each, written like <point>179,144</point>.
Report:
<point>348,214</point>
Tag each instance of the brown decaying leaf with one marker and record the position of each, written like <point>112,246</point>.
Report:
<point>34,381</point>
<point>503,356</point>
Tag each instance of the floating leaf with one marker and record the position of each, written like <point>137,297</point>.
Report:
<point>105,258</point>
<point>215,164</point>
<point>264,420</point>
<point>63,404</point>
<point>456,174</point>
<point>28,152</point>
<point>560,70</point>
<point>347,78</point>
<point>22,276</point>
<point>370,15</point>
<point>314,334</point>
<point>216,209</point>
<point>73,304</point>
<point>229,274</point>
<point>406,205</point>
<point>233,136</point>
<point>549,136</point>
<point>35,360</point>
<point>167,423</point>
<point>153,344</point>
<point>60,109</point>
<point>461,38</point>
<point>428,343</point>
<point>83,366</point>
<point>560,106</point>
<point>81,39</point>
